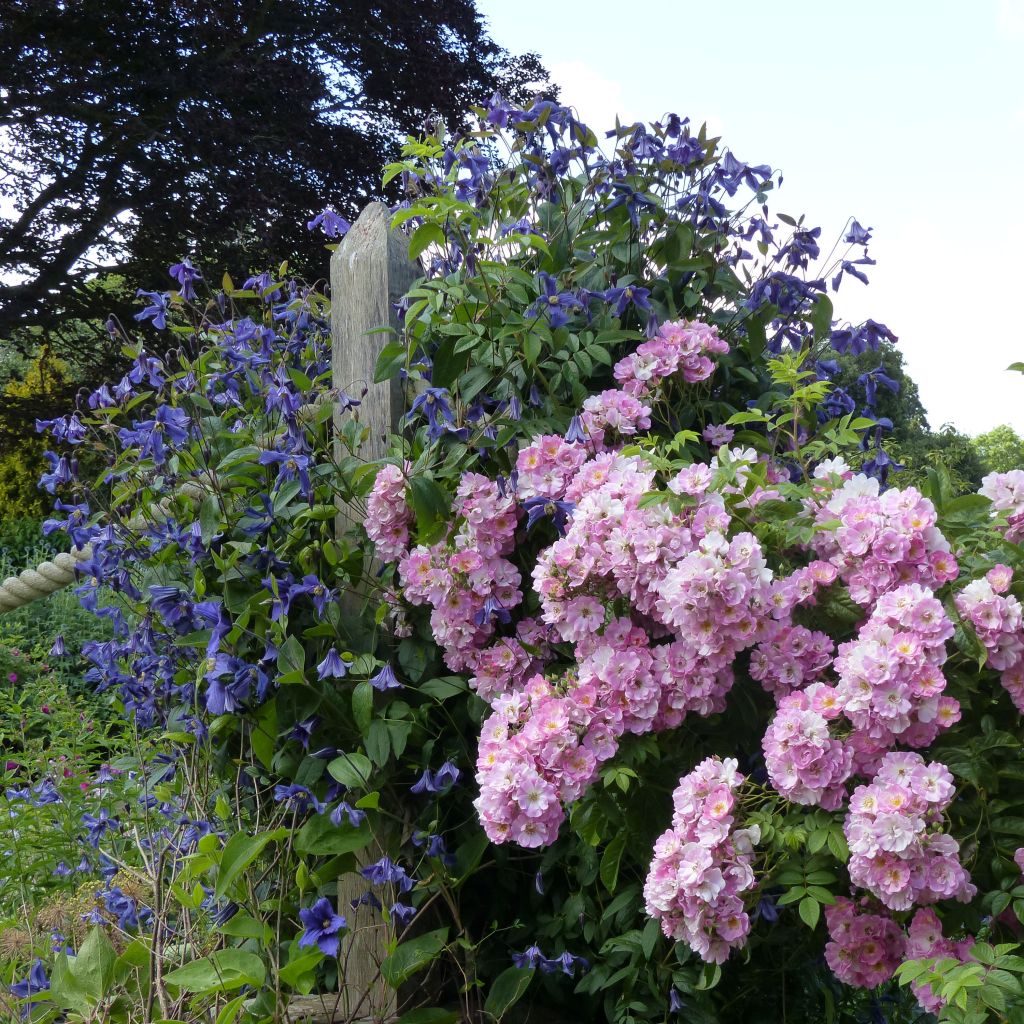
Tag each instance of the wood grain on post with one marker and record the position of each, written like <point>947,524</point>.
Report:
<point>370,272</point>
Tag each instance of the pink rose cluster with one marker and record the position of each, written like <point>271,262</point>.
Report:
<point>998,620</point>
<point>882,540</point>
<point>679,346</point>
<point>621,668</point>
<point>503,665</point>
<point>702,865</point>
<point>546,467</point>
<point>864,949</point>
<point>793,657</point>
<point>925,941</point>
<point>539,750</point>
<point>1006,492</point>
<point>560,735</point>
<point>388,514</point>
<point>898,850</point>
<point>615,411</point>
<point>697,598</point>
<point>466,578</point>
<point>890,677</point>
<point>805,764</point>
<point>708,596</point>
<point>889,688</point>
<point>705,592</point>
<point>801,586</point>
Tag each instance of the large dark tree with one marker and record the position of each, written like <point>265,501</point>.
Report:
<point>136,132</point>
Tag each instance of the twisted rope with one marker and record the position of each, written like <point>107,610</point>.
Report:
<point>45,579</point>
<point>50,576</point>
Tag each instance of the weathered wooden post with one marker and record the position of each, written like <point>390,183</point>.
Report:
<point>370,272</point>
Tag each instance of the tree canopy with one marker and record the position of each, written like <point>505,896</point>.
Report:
<point>137,132</point>
<point>1000,449</point>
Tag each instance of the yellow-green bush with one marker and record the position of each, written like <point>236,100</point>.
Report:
<point>22,462</point>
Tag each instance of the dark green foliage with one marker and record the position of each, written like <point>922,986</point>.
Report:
<point>913,442</point>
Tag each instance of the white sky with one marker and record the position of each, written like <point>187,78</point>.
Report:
<point>907,114</point>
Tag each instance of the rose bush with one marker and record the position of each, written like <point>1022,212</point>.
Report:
<point>633,560</point>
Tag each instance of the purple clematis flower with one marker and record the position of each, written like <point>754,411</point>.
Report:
<point>434,404</point>
<point>156,310</point>
<point>322,924</point>
<point>440,782</point>
<point>185,274</point>
<point>332,667</point>
<point>539,508</point>
<point>560,306</point>
<point>36,982</point>
<point>330,223</point>
<point>385,871</point>
<point>302,732</point>
<point>385,679</point>
<point>622,298</point>
<point>291,466</point>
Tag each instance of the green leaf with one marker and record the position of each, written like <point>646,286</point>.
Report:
<point>810,911</point>
<point>136,954</point>
<point>649,938</point>
<point>378,742</point>
<point>424,235</point>
<point>242,926</point>
<point>431,507</point>
<point>291,659</point>
<point>1008,825</point>
<point>263,736</point>
<point>611,860</point>
<point>837,845</point>
<point>817,839</point>
<point>93,968</point>
<point>509,987</point>
<point>413,956</point>
<point>710,975</point>
<point>222,971</point>
<point>821,317</point>
<point>531,349</point>
<point>233,1010</point>
<point>398,733</point>
<point>320,836</point>
<point>239,852</point>
<point>444,687</point>
<point>362,705</point>
<point>428,1015</point>
<point>414,657</point>
<point>469,854</point>
<point>304,964</point>
<point>65,989</point>
<point>209,518</point>
<point>389,362</point>
<point>351,770</point>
